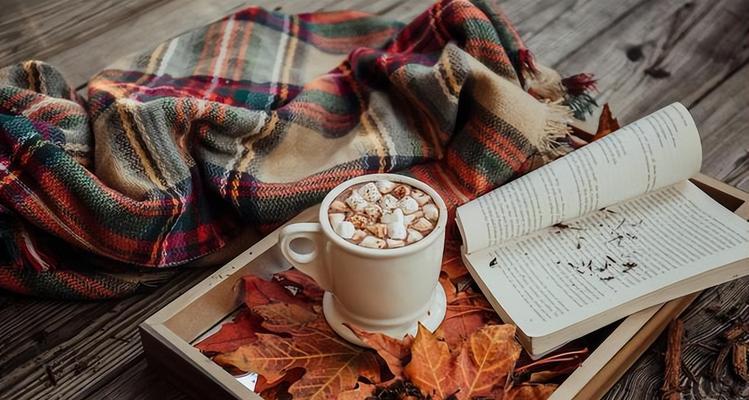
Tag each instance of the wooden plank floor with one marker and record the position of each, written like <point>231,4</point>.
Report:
<point>645,53</point>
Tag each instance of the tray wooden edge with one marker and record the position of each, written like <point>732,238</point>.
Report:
<point>199,377</point>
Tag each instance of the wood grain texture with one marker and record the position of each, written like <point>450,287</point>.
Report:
<point>704,321</point>
<point>696,52</point>
<point>94,343</point>
<point>665,51</point>
<point>724,127</point>
<point>139,382</point>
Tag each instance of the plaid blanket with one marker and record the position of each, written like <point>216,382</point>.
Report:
<point>249,120</point>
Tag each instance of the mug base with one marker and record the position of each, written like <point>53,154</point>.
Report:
<point>431,319</point>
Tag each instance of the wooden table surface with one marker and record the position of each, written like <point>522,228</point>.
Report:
<point>645,53</point>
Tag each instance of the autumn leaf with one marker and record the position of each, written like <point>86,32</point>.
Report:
<point>452,264</point>
<point>301,281</point>
<point>559,363</point>
<point>606,123</point>
<point>275,389</point>
<point>576,142</point>
<point>462,321</point>
<point>362,392</point>
<point>393,351</point>
<point>331,364</point>
<point>286,340</point>
<point>283,317</point>
<point>466,313</point>
<point>485,360</point>
<point>232,335</point>
<point>447,285</point>
<point>529,392</point>
<point>431,365</point>
<point>258,291</point>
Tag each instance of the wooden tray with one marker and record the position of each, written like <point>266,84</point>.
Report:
<point>168,334</point>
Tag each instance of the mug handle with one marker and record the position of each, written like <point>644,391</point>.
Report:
<point>312,263</point>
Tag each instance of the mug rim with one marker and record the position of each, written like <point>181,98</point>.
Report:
<point>398,251</point>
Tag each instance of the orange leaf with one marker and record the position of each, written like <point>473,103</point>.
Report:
<point>232,335</point>
<point>258,291</point>
<point>362,392</point>
<point>279,386</point>
<point>606,123</point>
<point>283,317</point>
<point>529,392</point>
<point>485,360</point>
<point>462,321</point>
<point>452,264</point>
<point>332,365</point>
<point>450,290</point>
<point>431,365</point>
<point>393,351</point>
<point>303,282</point>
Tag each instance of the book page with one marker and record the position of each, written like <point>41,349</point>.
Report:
<point>656,151</point>
<point>559,276</point>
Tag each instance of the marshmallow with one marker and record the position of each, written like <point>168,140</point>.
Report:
<point>420,197</point>
<point>394,243</point>
<point>338,206</point>
<point>431,212</point>
<point>379,230</point>
<point>395,216</point>
<point>388,202</point>
<point>396,230</point>
<point>413,236</point>
<point>401,191</point>
<point>370,192</point>
<point>373,210</point>
<point>410,218</point>
<point>373,242</point>
<point>358,236</point>
<point>422,224</point>
<point>336,218</point>
<point>359,221</point>
<point>383,214</point>
<point>408,205</point>
<point>385,186</point>
<point>345,230</point>
<point>356,201</point>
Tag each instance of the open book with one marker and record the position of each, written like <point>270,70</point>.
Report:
<point>608,230</point>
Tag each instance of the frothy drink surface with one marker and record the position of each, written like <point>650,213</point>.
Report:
<point>383,214</point>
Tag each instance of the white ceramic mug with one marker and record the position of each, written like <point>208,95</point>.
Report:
<point>379,290</point>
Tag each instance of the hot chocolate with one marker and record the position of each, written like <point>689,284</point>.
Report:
<point>383,214</point>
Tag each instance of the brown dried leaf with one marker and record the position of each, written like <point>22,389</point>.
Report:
<point>258,291</point>
<point>232,335</point>
<point>393,351</point>
<point>485,360</point>
<point>362,392</point>
<point>332,365</point>
<point>283,317</point>
<point>462,321</point>
<point>576,142</point>
<point>546,376</point>
<point>450,290</point>
<point>452,264</point>
<point>275,389</point>
<point>303,282</point>
<point>466,313</point>
<point>606,123</point>
<point>740,366</point>
<point>431,365</point>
